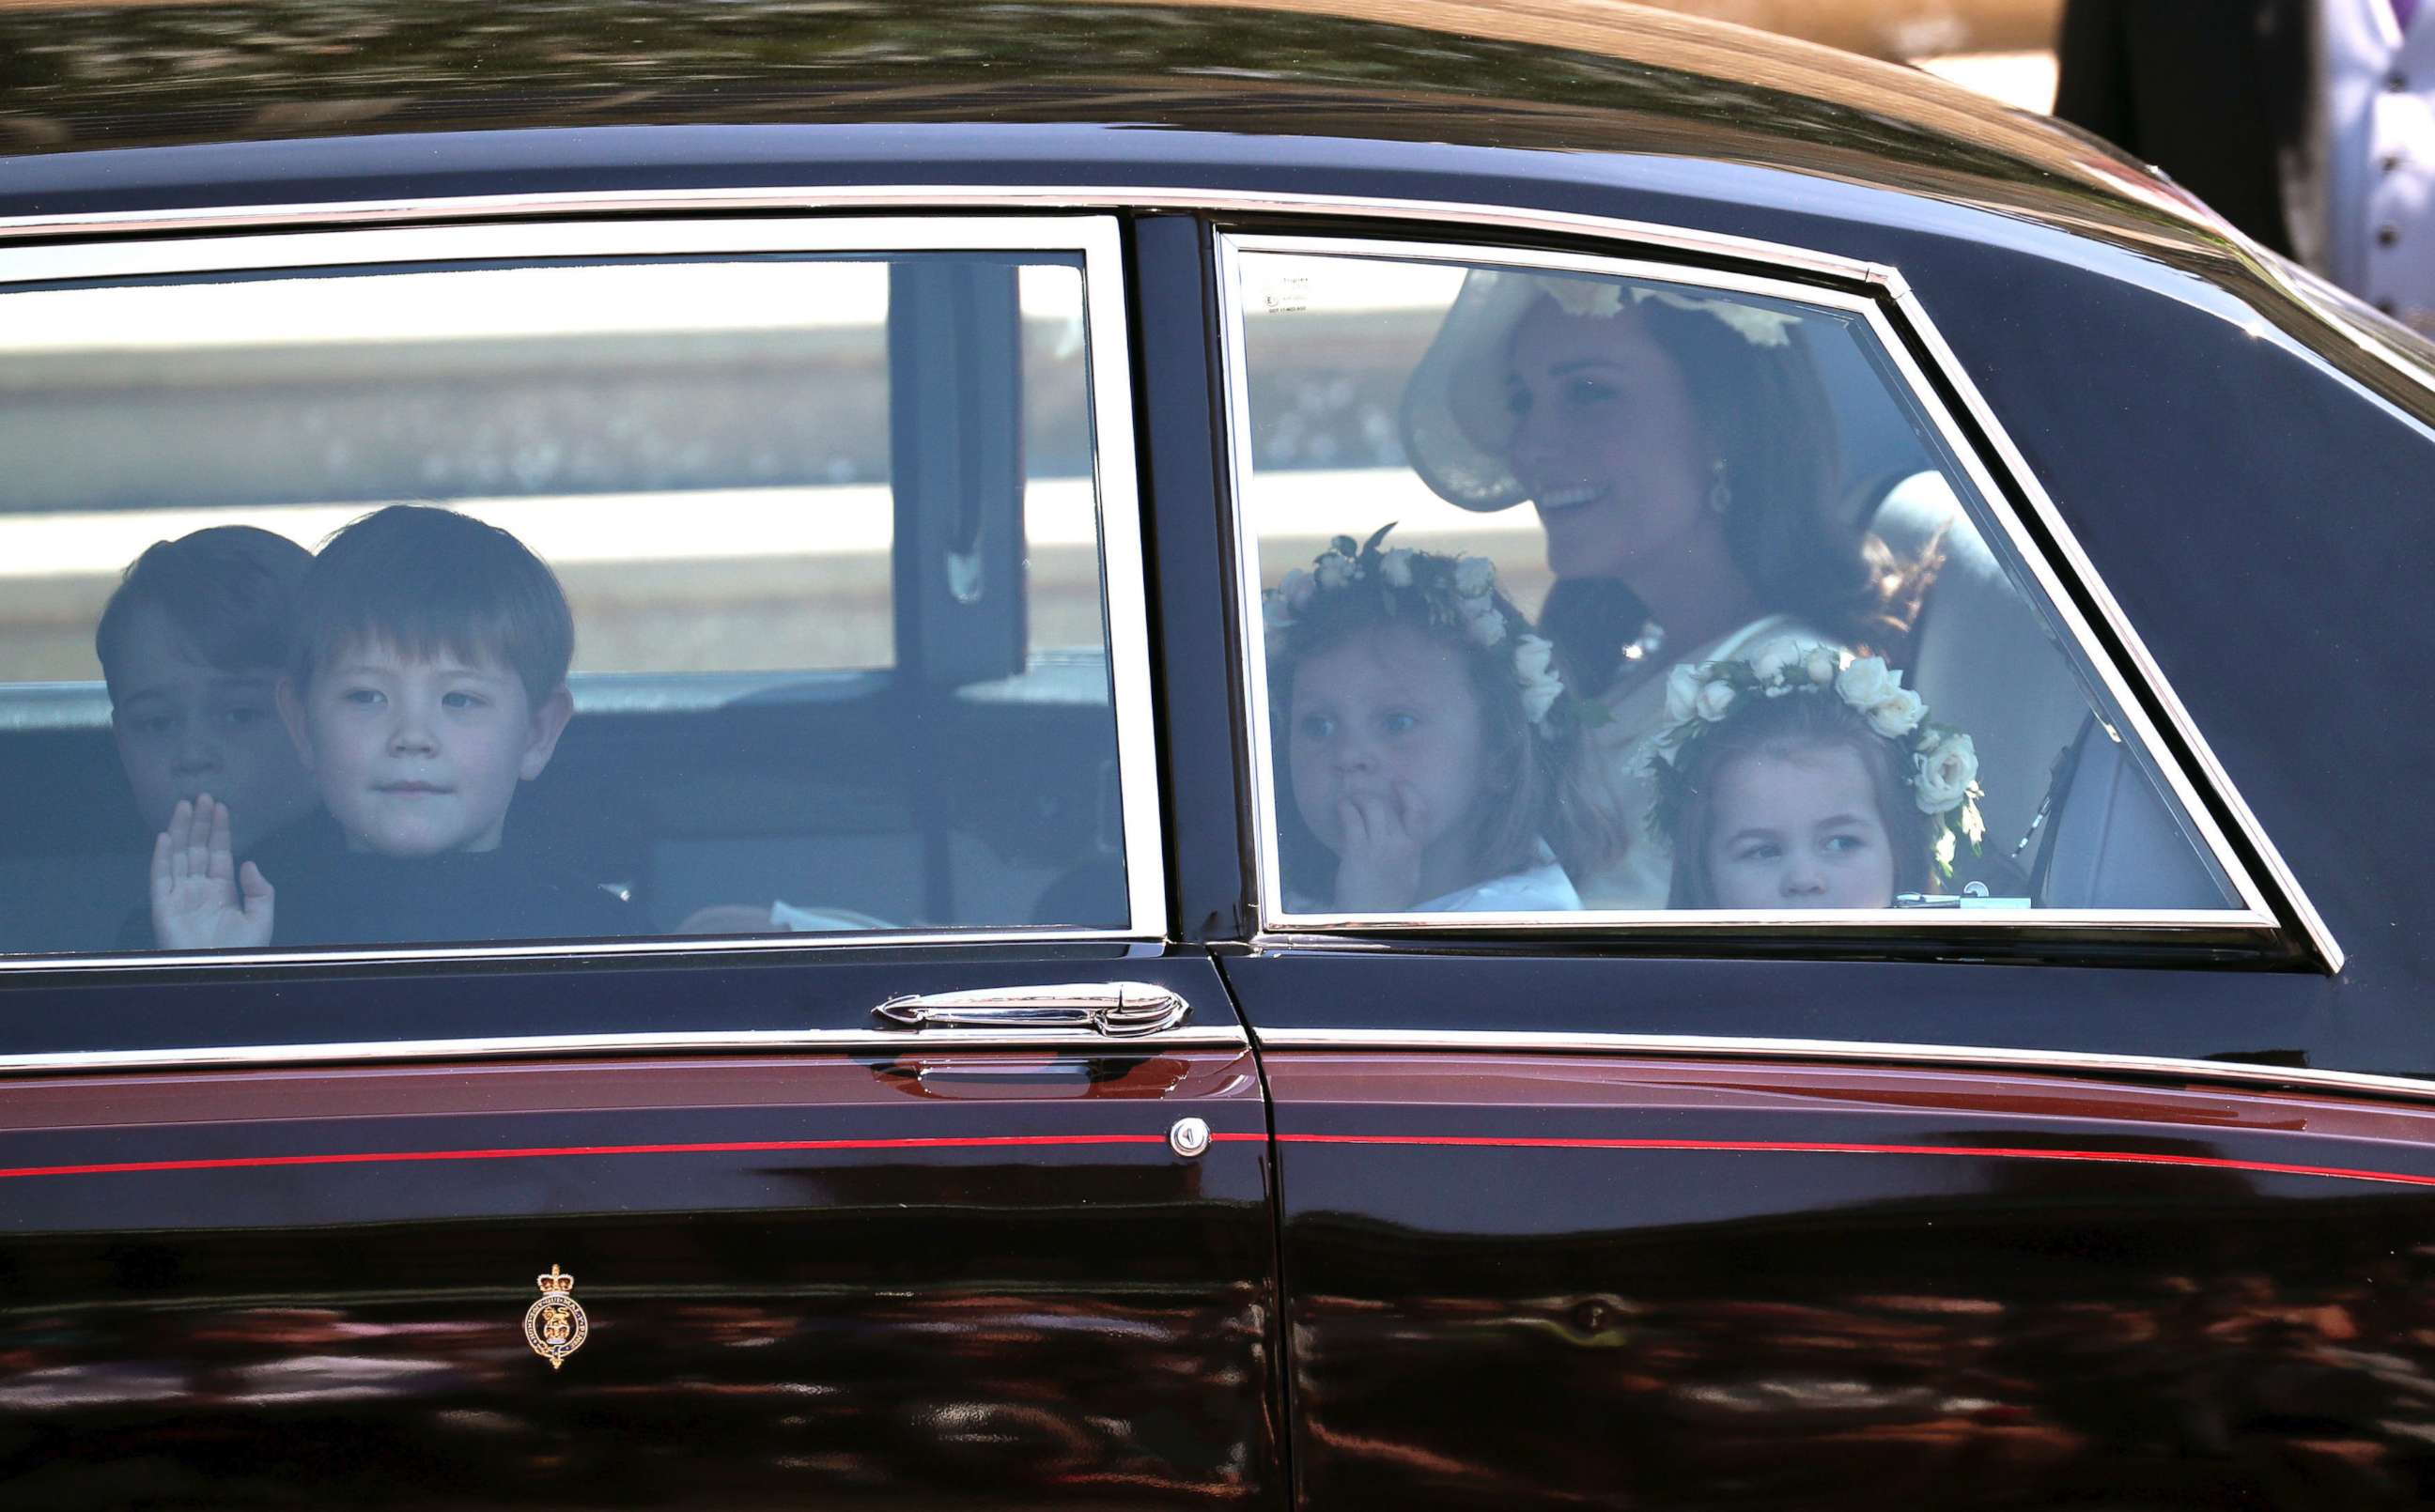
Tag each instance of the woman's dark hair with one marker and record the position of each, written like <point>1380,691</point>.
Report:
<point>1540,794</point>
<point>1786,728</point>
<point>1766,413</point>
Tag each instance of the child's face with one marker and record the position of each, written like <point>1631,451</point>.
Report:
<point>186,728</point>
<point>1386,717</point>
<point>418,756</point>
<point>1799,831</point>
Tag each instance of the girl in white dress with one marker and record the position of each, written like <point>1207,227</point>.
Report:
<point>1803,776</point>
<point>1422,740</point>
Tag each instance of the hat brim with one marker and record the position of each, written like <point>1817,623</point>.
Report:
<point>1455,424</point>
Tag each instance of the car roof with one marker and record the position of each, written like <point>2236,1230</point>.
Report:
<point>1584,78</point>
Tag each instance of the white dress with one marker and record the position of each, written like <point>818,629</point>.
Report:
<point>1540,889</point>
<point>1621,748</point>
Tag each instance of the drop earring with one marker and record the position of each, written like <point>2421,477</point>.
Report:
<point>1720,494</point>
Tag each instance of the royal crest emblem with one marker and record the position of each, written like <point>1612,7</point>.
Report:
<point>555,1325</point>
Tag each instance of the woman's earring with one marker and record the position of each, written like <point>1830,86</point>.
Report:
<point>1720,494</point>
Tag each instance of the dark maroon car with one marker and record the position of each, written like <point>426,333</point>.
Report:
<point>1304,763</point>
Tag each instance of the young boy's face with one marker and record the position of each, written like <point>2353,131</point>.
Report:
<point>186,728</point>
<point>417,756</point>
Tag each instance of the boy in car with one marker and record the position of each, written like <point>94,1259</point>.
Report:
<point>427,685</point>
<point>192,644</point>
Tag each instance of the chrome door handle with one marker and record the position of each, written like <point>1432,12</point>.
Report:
<point>1118,1009</point>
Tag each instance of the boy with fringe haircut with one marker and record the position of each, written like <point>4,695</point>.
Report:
<point>427,685</point>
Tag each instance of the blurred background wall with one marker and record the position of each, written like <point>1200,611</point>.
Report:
<point>2004,48</point>
<point>1904,29</point>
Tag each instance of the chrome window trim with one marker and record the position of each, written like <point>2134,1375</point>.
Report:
<point>2084,572</point>
<point>2255,913</point>
<point>2287,883</point>
<point>726,1041</point>
<point>1870,1054</point>
<point>1305,929</point>
<point>646,945</point>
<point>1024,197</point>
<point>1124,568</point>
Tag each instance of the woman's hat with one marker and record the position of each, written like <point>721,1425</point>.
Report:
<point>1457,422</point>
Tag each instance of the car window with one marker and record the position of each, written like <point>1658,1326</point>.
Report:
<point>1592,590</point>
<point>624,597</point>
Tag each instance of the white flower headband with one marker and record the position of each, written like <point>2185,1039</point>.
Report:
<point>1944,761</point>
<point>1453,591</point>
<point>1603,300</point>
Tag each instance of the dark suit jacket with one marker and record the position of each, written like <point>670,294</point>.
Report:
<point>2223,94</point>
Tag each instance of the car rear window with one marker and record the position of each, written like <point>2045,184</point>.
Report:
<point>283,547</point>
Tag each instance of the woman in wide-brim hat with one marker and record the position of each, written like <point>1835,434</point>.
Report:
<point>1681,454</point>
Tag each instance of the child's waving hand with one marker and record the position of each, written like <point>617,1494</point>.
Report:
<point>200,901</point>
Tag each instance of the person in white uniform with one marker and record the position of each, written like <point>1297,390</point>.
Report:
<point>2309,123</point>
<point>2380,128</point>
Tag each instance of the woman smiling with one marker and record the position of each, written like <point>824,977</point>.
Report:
<point>1681,454</point>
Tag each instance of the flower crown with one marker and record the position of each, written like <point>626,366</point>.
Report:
<point>1943,763</point>
<point>1457,592</point>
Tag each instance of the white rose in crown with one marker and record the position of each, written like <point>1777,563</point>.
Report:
<point>1473,576</point>
<point>1484,622</point>
<point>1277,619</point>
<point>1533,668</point>
<point>1822,664</point>
<point>1774,659</point>
<point>1866,682</point>
<point>1946,772</point>
<point>1334,571</point>
<point>1714,700</point>
<point>1682,687</point>
<point>1897,713</point>
<point>1296,590</point>
<point>1578,296</point>
<point>1397,567</point>
<point>1760,328</point>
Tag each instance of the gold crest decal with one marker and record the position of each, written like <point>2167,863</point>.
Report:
<point>555,1326</point>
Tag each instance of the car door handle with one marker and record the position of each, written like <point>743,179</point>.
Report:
<point>1118,1009</point>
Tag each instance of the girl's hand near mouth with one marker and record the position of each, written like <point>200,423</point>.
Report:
<point>1379,868</point>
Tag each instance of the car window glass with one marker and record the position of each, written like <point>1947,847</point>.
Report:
<point>818,526</point>
<point>1585,592</point>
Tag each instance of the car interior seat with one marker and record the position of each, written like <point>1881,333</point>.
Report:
<point>1982,657</point>
<point>2064,801</point>
<point>2110,841</point>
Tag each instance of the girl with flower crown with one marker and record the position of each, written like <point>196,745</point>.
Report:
<point>1681,454</point>
<point>1804,777</point>
<point>1422,733</point>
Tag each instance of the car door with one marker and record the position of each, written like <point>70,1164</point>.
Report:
<point>888,1152</point>
<point>2013,1193</point>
